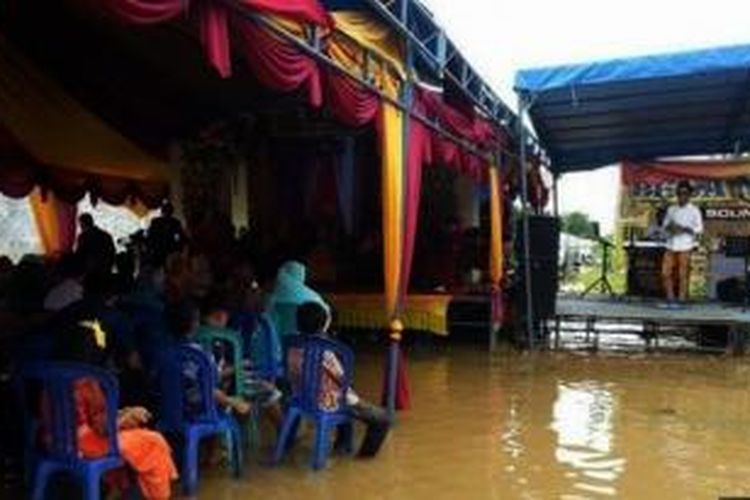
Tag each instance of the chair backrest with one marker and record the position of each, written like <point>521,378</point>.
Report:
<point>266,350</point>
<point>247,324</point>
<point>284,317</point>
<point>55,383</point>
<point>307,390</point>
<point>211,338</point>
<point>173,411</point>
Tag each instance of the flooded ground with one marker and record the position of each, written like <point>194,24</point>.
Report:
<point>550,425</point>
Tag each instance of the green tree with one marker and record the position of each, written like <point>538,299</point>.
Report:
<point>578,224</point>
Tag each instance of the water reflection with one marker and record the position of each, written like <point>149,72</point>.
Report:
<point>582,418</point>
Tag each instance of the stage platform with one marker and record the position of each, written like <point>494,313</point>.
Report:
<point>593,321</point>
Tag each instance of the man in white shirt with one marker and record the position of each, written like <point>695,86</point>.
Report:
<point>682,224</point>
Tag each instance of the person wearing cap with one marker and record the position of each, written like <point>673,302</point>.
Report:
<point>682,224</point>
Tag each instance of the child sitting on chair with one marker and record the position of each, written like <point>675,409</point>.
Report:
<point>313,319</point>
<point>184,320</point>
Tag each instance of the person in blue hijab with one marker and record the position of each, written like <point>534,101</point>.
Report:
<point>291,291</point>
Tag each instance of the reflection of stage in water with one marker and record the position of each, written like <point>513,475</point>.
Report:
<point>641,324</point>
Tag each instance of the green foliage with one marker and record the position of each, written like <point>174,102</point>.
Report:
<point>578,224</point>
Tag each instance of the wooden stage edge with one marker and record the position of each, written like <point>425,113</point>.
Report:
<point>600,317</point>
<point>693,314</point>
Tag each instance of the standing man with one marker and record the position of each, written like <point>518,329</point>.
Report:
<point>95,247</point>
<point>682,225</point>
<point>165,235</point>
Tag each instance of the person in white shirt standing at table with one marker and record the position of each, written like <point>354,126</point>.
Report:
<point>683,224</point>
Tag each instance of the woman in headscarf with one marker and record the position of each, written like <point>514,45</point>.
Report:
<point>145,451</point>
<point>290,291</point>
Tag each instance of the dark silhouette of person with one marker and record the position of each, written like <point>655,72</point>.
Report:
<point>165,235</point>
<point>95,246</point>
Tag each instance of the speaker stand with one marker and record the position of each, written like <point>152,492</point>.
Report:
<point>602,281</point>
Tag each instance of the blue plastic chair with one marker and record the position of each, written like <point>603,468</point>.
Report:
<point>246,323</point>
<point>56,383</point>
<point>304,401</point>
<point>205,421</point>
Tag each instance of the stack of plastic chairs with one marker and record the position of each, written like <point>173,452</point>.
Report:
<point>55,383</point>
<point>205,421</point>
<point>305,398</point>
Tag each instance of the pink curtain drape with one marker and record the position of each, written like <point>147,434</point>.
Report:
<point>214,26</point>
<point>279,64</point>
<point>348,101</point>
<point>310,11</point>
<point>213,19</point>
<point>141,11</point>
<point>464,124</point>
<point>418,154</point>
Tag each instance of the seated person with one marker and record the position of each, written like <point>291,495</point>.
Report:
<point>313,319</point>
<point>291,289</point>
<point>263,392</point>
<point>69,288</point>
<point>184,322</point>
<point>145,451</point>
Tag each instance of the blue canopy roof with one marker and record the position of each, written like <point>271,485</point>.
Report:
<point>596,114</point>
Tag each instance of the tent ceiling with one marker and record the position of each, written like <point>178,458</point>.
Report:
<point>151,84</point>
<point>690,103</point>
<point>56,130</point>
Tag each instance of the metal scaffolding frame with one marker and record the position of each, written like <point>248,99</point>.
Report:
<point>427,43</point>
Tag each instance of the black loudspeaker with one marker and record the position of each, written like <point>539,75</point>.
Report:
<point>544,247</point>
<point>737,246</point>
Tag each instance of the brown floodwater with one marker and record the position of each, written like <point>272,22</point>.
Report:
<point>548,425</point>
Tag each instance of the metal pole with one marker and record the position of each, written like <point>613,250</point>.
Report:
<point>394,344</point>
<point>522,108</point>
<point>556,198</point>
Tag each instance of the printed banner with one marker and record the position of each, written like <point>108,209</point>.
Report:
<point>722,191</point>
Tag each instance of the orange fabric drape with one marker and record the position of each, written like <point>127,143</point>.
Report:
<point>496,247</point>
<point>392,159</point>
<point>55,222</point>
<point>496,228</point>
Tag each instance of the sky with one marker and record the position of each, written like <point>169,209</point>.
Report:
<point>499,37</point>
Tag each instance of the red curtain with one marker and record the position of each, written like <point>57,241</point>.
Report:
<point>474,129</point>
<point>300,10</point>
<point>70,186</point>
<point>349,102</point>
<point>214,23</point>
<point>279,64</point>
<point>142,11</point>
<point>418,154</point>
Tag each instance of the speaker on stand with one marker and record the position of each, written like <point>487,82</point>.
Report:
<point>544,250</point>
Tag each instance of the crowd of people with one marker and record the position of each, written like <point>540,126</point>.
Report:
<point>119,310</point>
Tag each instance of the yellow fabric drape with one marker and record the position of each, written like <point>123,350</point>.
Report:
<point>428,313</point>
<point>56,130</point>
<point>374,35</point>
<point>345,51</point>
<point>392,147</point>
<point>47,222</point>
<point>496,228</point>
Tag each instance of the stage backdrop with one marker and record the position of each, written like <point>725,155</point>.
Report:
<point>722,191</point>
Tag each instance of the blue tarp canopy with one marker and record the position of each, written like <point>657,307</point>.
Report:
<point>596,114</point>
